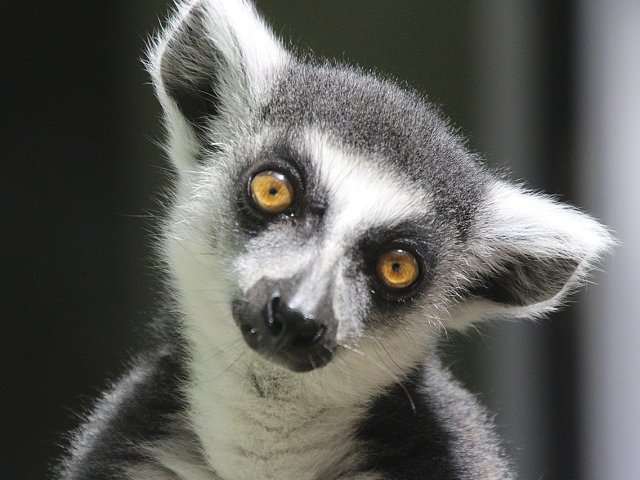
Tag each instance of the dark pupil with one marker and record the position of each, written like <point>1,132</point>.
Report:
<point>395,267</point>
<point>273,191</point>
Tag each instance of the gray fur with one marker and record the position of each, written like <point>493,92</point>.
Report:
<point>406,135</point>
<point>290,358</point>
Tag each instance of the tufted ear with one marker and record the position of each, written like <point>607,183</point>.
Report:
<point>531,251</point>
<point>214,60</point>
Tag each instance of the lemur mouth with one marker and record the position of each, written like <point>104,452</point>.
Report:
<point>284,335</point>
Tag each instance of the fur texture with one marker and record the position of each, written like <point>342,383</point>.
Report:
<point>372,168</point>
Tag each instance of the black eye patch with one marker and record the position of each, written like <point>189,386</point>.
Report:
<point>399,261</point>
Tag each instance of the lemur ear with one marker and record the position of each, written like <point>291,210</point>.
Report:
<point>531,251</point>
<point>213,60</point>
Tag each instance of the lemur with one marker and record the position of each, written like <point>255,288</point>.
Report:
<point>327,227</point>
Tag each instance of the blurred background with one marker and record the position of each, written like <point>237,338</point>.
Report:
<point>548,89</point>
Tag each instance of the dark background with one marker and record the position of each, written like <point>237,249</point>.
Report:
<point>82,175</point>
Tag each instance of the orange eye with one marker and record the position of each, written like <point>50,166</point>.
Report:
<point>397,269</point>
<point>271,192</point>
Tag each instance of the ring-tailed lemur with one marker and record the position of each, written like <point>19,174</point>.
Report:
<point>327,227</point>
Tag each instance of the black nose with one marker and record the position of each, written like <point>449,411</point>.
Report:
<point>289,327</point>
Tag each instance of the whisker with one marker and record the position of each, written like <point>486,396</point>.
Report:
<point>312,361</point>
<point>395,377</point>
<point>232,364</point>
<point>352,349</point>
<point>388,354</point>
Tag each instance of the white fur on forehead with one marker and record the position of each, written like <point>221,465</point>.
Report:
<point>362,194</point>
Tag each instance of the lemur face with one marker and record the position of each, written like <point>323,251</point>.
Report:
<point>346,220</point>
<point>332,243</point>
<point>320,209</point>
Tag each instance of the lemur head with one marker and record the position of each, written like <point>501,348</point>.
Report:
<point>322,212</point>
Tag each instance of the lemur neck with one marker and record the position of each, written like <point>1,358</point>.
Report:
<point>256,417</point>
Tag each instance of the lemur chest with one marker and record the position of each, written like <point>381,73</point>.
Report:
<point>248,434</point>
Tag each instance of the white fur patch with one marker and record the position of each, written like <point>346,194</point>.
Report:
<point>173,459</point>
<point>362,195</point>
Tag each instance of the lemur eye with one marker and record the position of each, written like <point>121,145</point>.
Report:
<point>397,269</point>
<point>271,191</point>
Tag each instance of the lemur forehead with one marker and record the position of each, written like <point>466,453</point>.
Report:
<point>361,191</point>
<point>376,116</point>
